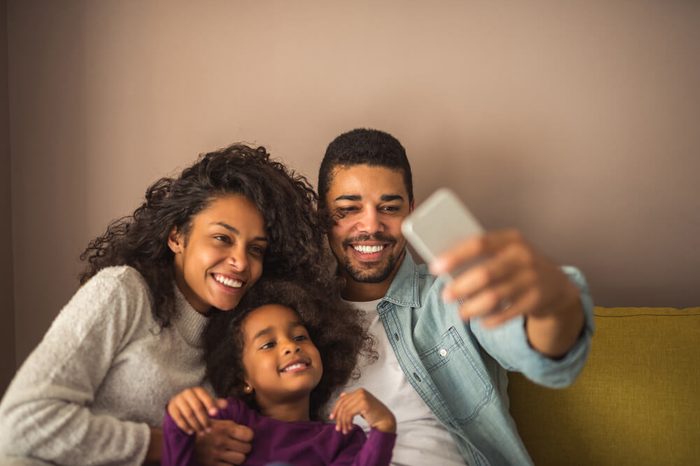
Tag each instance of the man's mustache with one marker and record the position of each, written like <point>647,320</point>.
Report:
<point>373,237</point>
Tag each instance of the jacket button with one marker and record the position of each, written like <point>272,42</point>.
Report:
<point>443,352</point>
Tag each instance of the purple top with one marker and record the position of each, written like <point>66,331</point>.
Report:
<point>303,443</point>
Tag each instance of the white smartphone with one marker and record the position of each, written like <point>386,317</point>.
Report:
<point>441,222</point>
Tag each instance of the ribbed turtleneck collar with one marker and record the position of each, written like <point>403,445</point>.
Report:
<point>189,323</point>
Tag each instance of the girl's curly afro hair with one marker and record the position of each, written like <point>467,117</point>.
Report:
<point>335,327</point>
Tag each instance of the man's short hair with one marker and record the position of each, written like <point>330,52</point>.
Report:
<point>363,146</point>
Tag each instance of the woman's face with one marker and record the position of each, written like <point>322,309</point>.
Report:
<point>222,256</point>
<point>282,364</point>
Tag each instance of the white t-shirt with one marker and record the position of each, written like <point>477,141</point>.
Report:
<point>421,438</point>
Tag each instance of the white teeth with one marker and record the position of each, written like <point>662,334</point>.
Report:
<point>294,367</point>
<point>368,249</point>
<point>228,281</point>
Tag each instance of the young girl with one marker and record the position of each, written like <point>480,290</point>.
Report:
<point>279,357</point>
<point>92,392</point>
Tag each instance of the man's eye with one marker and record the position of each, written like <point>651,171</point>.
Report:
<point>390,208</point>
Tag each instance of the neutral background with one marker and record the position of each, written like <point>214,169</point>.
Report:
<point>576,122</point>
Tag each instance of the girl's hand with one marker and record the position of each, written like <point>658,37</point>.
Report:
<point>363,403</point>
<point>191,408</point>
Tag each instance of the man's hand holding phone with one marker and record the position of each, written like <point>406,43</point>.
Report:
<point>511,279</point>
<point>505,277</point>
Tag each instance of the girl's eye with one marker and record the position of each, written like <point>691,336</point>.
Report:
<point>301,338</point>
<point>268,345</point>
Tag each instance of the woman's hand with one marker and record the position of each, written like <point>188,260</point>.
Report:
<point>363,403</point>
<point>191,408</point>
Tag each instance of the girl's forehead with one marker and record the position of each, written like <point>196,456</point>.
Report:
<point>270,316</point>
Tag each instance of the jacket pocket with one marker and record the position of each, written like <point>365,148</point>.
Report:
<point>457,372</point>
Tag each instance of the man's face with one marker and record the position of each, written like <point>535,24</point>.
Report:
<point>367,205</point>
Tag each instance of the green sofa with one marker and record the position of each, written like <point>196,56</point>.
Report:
<point>637,401</point>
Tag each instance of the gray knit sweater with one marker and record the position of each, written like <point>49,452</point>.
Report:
<point>101,376</point>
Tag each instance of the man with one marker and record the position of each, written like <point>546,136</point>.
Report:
<point>444,348</point>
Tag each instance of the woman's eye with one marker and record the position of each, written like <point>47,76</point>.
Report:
<point>222,238</point>
<point>257,251</point>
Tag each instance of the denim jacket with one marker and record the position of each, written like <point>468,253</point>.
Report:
<point>460,369</point>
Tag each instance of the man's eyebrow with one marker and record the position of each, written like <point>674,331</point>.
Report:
<point>357,197</point>
<point>349,197</point>
<point>236,232</point>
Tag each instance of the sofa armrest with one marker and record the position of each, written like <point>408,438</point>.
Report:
<point>636,401</point>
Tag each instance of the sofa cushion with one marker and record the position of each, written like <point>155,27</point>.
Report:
<point>637,401</point>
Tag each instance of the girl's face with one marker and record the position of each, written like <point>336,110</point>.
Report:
<point>282,364</point>
<point>222,255</point>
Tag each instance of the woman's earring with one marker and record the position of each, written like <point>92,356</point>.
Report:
<point>248,389</point>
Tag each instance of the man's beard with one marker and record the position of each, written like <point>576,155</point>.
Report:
<point>371,274</point>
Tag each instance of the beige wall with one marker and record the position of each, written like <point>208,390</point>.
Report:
<point>574,121</point>
<point>7,315</point>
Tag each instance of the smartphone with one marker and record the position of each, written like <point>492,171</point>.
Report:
<point>441,222</point>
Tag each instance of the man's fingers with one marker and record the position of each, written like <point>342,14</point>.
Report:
<point>497,298</point>
<point>499,265</point>
<point>472,249</point>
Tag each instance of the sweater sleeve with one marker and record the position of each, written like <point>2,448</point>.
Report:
<point>45,413</point>
<point>178,447</point>
<point>376,450</point>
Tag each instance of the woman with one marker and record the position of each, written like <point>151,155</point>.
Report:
<point>94,390</point>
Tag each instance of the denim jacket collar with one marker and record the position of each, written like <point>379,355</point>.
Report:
<point>404,290</point>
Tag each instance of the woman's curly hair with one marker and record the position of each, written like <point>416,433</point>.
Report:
<point>334,326</point>
<point>285,199</point>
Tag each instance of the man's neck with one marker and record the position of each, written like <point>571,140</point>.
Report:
<point>360,292</point>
